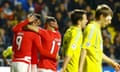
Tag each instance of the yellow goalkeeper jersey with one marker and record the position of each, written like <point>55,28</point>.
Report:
<point>92,42</point>
<point>71,47</point>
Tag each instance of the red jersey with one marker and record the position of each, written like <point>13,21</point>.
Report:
<point>23,42</point>
<point>34,55</point>
<point>51,41</point>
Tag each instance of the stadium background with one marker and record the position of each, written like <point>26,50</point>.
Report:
<point>13,11</point>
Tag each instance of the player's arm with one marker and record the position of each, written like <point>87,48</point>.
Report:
<point>82,59</point>
<point>88,34</point>
<point>66,61</point>
<point>111,62</point>
<point>20,25</point>
<point>42,51</point>
<point>33,28</point>
<point>40,31</point>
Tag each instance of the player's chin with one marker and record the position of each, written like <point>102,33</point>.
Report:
<point>107,24</point>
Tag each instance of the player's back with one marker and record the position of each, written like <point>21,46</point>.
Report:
<point>50,41</point>
<point>22,44</point>
<point>71,47</point>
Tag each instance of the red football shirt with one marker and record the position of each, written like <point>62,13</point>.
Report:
<point>23,42</point>
<point>51,42</point>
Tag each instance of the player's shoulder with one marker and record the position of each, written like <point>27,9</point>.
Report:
<point>58,34</point>
<point>67,35</point>
<point>29,33</point>
<point>75,30</point>
<point>70,29</point>
<point>43,30</point>
<point>32,34</point>
<point>91,25</point>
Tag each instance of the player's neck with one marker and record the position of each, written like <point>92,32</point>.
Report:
<point>50,28</point>
<point>98,22</point>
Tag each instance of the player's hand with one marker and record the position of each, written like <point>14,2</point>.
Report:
<point>31,17</point>
<point>116,66</point>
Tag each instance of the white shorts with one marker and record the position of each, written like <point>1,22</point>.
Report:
<point>20,67</point>
<point>45,70</point>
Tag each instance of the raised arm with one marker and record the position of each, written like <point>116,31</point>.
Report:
<point>42,32</point>
<point>20,25</point>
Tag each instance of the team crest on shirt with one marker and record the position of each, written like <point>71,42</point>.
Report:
<point>73,46</point>
<point>88,44</point>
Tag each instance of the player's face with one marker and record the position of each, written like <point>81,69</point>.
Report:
<point>106,21</point>
<point>84,21</point>
<point>37,22</point>
<point>54,24</point>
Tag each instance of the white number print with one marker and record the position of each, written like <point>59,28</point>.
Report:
<point>53,46</point>
<point>18,41</point>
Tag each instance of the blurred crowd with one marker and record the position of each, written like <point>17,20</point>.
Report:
<point>14,11</point>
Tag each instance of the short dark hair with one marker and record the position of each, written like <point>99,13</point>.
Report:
<point>104,10</point>
<point>76,15</point>
<point>49,19</point>
<point>38,16</point>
